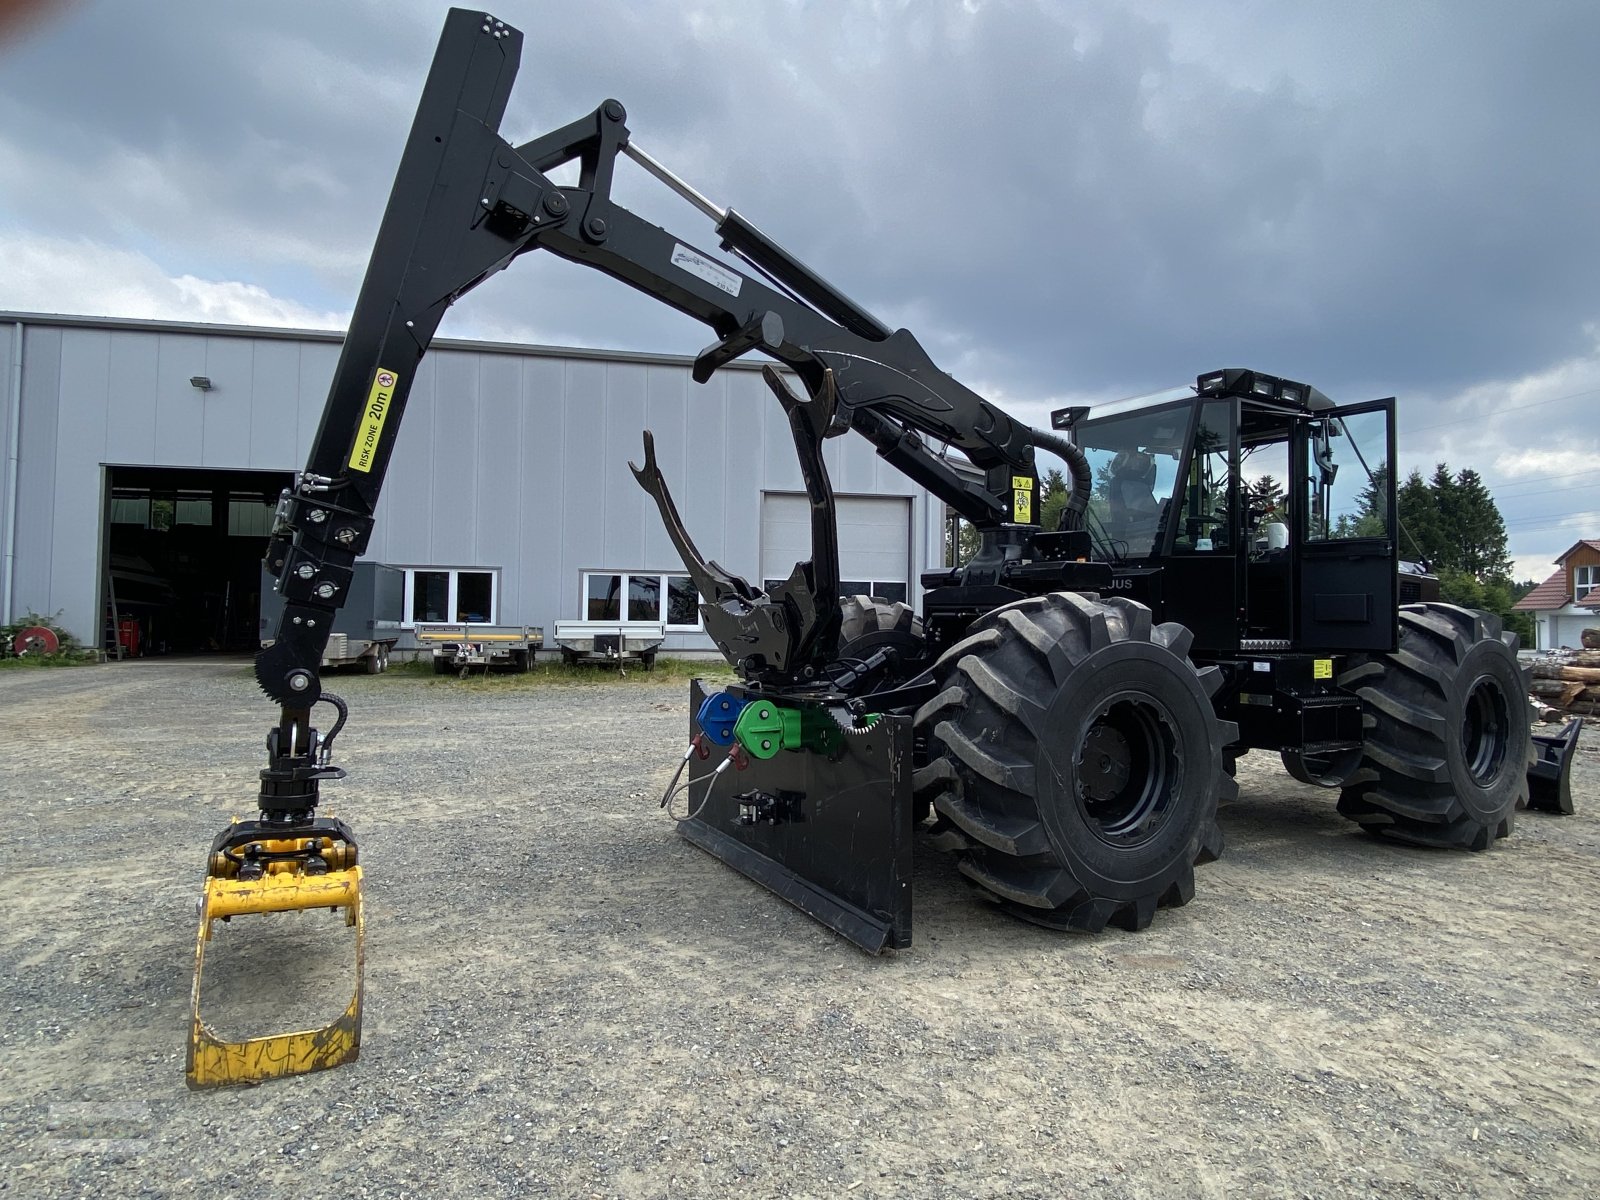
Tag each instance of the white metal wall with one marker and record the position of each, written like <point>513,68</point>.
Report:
<point>510,458</point>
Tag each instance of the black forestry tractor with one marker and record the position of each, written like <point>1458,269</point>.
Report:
<point>1066,709</point>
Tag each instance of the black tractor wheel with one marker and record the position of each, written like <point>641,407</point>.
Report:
<point>1448,742</point>
<point>1076,749</point>
<point>862,617</point>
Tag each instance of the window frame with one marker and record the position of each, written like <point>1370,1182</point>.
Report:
<point>625,577</point>
<point>408,618</point>
<point>1580,588</point>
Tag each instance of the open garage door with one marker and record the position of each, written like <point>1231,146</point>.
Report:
<point>183,552</point>
<point>874,542</point>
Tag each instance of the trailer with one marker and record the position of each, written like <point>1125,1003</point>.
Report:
<point>460,646</point>
<point>611,641</point>
<point>365,630</point>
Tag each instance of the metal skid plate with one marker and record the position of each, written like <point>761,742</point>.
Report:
<point>831,833</point>
<point>1550,776</point>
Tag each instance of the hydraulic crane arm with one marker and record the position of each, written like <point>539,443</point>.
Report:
<point>465,203</point>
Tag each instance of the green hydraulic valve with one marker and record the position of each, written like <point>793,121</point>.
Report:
<point>764,728</point>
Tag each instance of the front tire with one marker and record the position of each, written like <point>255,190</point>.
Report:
<point>1077,750</point>
<point>1448,741</point>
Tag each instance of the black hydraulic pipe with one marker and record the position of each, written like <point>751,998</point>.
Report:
<point>739,234</point>
<point>1082,477</point>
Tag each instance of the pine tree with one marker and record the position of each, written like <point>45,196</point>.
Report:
<point>1419,520</point>
<point>1481,532</point>
<point>1053,494</point>
<point>1447,511</point>
<point>1265,499</point>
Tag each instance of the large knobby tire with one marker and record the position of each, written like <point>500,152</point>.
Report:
<point>1077,749</point>
<point>1447,741</point>
<point>862,615</point>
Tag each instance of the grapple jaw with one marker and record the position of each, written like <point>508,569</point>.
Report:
<point>787,634</point>
<point>253,872</point>
<point>1550,775</point>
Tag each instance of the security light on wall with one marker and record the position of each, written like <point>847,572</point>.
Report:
<point>203,382</point>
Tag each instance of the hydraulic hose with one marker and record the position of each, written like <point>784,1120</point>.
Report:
<point>1082,477</point>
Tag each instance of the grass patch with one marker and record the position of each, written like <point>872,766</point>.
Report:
<point>548,674</point>
<point>62,658</point>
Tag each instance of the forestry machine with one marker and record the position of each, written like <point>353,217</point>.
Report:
<point>1066,709</point>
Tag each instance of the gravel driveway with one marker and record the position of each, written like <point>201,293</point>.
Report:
<point>565,999</point>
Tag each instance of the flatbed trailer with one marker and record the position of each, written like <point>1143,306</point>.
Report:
<point>460,646</point>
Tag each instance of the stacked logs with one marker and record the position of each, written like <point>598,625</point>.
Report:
<point>1568,681</point>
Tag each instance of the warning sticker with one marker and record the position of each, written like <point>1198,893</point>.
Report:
<point>711,271</point>
<point>1322,668</point>
<point>1022,499</point>
<point>378,401</point>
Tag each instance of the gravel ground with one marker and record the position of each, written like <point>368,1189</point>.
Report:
<point>563,998</point>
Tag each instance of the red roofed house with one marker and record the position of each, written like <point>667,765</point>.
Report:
<point>1567,603</point>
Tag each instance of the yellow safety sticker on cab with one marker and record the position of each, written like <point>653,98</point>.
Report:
<point>1022,499</point>
<point>378,401</point>
<point>1322,668</point>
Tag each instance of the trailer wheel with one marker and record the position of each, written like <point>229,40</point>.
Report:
<point>442,665</point>
<point>378,661</point>
<point>1448,743</point>
<point>1077,749</point>
<point>519,661</point>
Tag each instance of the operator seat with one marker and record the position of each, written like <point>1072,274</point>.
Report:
<point>1131,504</point>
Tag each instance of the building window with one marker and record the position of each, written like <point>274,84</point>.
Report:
<point>891,591</point>
<point>451,594</point>
<point>1584,581</point>
<point>641,596</point>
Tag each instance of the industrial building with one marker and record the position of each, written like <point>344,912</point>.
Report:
<point>143,460</point>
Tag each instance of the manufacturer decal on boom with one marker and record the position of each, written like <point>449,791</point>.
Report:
<point>378,401</point>
<point>711,271</point>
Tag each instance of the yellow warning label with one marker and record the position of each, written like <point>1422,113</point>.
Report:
<point>378,400</point>
<point>1022,506</point>
<point>1322,668</point>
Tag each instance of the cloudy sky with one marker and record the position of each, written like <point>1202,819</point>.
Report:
<point>1066,201</point>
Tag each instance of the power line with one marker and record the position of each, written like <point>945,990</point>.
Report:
<point>1486,416</point>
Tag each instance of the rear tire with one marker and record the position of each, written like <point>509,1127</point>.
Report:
<point>1448,742</point>
<point>519,661</point>
<point>442,666</point>
<point>1077,750</point>
<point>862,615</point>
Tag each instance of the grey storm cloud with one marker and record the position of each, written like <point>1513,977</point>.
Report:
<point>1059,198</point>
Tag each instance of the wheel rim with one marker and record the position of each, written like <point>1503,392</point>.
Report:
<point>1128,771</point>
<point>1485,729</point>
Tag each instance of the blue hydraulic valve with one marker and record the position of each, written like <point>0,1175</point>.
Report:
<point>717,716</point>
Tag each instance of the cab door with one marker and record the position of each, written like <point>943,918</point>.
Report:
<point>1346,546</point>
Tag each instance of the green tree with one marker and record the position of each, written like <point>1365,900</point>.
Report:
<point>1265,499</point>
<point>1480,532</point>
<point>1420,533</point>
<point>1053,494</point>
<point>1447,513</point>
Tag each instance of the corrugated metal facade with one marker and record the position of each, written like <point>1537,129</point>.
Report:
<point>510,458</point>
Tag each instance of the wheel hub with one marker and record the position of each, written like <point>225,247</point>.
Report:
<point>1485,729</point>
<point>1128,771</point>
